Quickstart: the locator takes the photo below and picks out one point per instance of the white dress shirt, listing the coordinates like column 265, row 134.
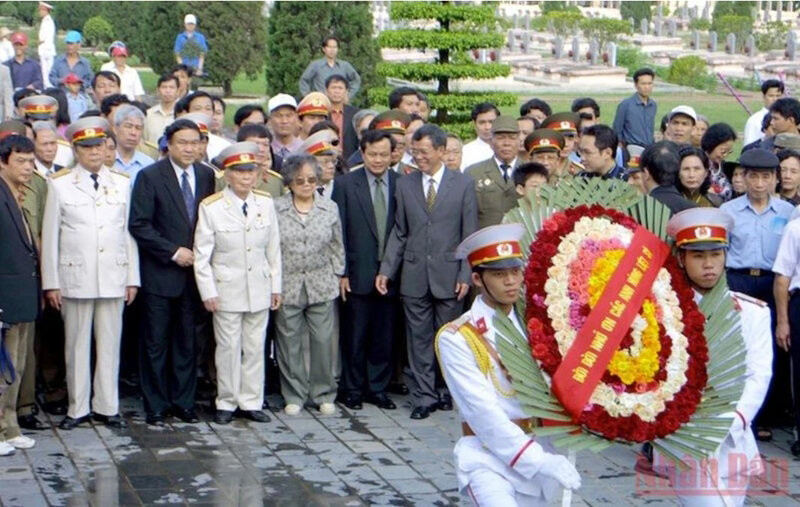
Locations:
column 436, row 178
column 511, row 166
column 130, row 82
column 752, row 129
column 474, row 152
column 42, row 169
column 179, row 174
column 47, row 37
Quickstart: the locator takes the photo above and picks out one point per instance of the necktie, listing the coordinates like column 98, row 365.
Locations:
column 188, row 196
column 96, row 185
column 321, row 190
column 505, row 168
column 379, row 206
column 430, row 198
column 244, row 209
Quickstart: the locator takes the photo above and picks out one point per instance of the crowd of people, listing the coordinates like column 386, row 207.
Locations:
column 316, row 242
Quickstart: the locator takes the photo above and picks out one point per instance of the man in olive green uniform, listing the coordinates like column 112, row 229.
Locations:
column 565, row 124
column 544, row 146
column 494, row 181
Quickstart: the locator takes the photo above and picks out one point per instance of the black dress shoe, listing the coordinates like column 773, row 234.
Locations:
column 423, row 412
column 255, row 416
column 445, row 402
column 381, row 401
column 156, row 419
column 55, row 407
column 69, row 423
column 187, row 415
column 112, row 421
column 30, row 422
column 223, row 416
column 353, row 402
column 398, row 388
column 796, row 448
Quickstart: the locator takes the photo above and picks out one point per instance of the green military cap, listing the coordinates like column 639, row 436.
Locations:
column 566, row 123
column 392, row 121
column 544, row 140
column 786, row 140
column 10, row 127
column 506, row 125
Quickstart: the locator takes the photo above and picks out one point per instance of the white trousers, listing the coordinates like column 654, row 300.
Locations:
column 80, row 317
column 489, row 489
column 46, row 62
column 708, row 494
column 239, row 358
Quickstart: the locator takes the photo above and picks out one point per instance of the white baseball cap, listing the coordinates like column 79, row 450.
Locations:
column 281, row 100
column 190, row 18
column 684, row 110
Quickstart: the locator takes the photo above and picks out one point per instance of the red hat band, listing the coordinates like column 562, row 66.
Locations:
column 702, row 234
column 495, row 252
column 90, row 133
column 238, row 159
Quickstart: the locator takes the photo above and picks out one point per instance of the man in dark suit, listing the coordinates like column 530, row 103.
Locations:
column 163, row 217
column 336, row 88
column 494, row 181
column 366, row 203
column 436, row 210
column 19, row 271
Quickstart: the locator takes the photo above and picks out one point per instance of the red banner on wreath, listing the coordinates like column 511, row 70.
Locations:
column 611, row 318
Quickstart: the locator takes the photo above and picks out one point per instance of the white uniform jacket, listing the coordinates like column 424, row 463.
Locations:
column 87, row 251
column 738, row 454
column 498, row 445
column 238, row 259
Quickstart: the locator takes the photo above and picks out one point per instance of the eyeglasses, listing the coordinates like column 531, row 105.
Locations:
column 311, row 180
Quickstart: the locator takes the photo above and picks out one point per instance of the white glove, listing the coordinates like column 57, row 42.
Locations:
column 559, row 468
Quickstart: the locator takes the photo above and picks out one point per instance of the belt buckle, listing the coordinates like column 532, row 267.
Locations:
column 755, row 272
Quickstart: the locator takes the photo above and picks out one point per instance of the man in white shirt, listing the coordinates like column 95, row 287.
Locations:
column 483, row 115
column 130, row 83
column 47, row 42
column 771, row 90
column 163, row 113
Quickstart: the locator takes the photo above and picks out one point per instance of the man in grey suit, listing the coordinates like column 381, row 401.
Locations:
column 435, row 210
column 6, row 93
column 494, row 181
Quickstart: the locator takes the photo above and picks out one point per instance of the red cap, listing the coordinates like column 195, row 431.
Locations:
column 119, row 51
column 19, row 38
column 71, row 78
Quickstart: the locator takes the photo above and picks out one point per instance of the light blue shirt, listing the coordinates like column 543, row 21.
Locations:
column 755, row 237
column 132, row 168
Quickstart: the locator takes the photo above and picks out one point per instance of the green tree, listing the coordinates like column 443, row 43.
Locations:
column 604, row 30
column 236, row 33
column 556, row 6
column 462, row 28
column 22, row 11
column 97, row 31
column 741, row 26
column 635, row 10
column 291, row 45
column 734, row 8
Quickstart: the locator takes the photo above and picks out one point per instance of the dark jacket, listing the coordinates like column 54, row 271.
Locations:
column 160, row 225
column 19, row 264
column 349, row 137
column 669, row 196
column 353, row 195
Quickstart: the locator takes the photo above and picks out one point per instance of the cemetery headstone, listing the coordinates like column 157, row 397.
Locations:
column 611, row 48
column 657, row 26
column 594, row 51
column 673, row 27
column 712, row 41
column 644, row 25
column 558, row 47
column 695, row 39
column 576, row 49
column 750, row 46
column 527, row 21
column 730, row 44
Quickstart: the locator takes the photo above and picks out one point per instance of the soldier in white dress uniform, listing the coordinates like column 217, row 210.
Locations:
column 43, row 108
column 90, row 269
column 497, row 462
column 701, row 236
column 237, row 265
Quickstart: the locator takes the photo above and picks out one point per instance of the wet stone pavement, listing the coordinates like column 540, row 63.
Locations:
column 366, row 457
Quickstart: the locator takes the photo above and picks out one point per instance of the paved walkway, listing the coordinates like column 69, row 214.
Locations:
column 367, row 457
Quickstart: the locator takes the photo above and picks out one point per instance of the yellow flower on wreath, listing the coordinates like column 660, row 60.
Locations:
column 643, row 367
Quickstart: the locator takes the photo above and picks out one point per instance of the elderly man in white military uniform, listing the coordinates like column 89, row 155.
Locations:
column 237, row 265
column 497, row 462
column 701, row 236
column 90, row 269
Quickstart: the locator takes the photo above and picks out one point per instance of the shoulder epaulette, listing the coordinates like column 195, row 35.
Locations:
column 218, row 174
column 211, row 199
column 37, row 173
column 151, row 144
column 62, row 172
column 63, row 142
column 578, row 165
column 275, row 173
column 357, row 167
column 121, row 173
column 749, row 299
column 453, row 326
column 261, row 193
